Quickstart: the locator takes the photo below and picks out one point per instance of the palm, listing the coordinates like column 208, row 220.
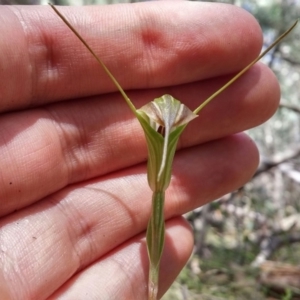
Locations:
column 74, row 196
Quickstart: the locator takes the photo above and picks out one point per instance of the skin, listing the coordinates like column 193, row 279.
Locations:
column 74, row 199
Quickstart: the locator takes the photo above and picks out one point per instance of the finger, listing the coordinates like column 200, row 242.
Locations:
column 68, row 142
column 80, row 224
column 157, row 44
column 123, row 274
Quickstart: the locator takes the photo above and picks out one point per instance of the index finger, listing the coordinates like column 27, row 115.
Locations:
column 145, row 45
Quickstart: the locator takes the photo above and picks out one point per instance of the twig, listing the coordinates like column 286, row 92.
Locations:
column 266, row 163
column 291, row 107
column 270, row 244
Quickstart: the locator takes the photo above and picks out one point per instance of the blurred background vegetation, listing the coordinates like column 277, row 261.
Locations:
column 247, row 244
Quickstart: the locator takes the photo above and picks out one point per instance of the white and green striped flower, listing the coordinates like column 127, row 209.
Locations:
column 163, row 120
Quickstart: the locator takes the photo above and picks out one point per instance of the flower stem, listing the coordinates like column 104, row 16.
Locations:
column 155, row 241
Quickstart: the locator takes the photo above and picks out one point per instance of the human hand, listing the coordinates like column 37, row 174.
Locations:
column 74, row 196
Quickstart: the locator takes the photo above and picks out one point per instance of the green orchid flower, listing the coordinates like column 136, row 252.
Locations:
column 163, row 121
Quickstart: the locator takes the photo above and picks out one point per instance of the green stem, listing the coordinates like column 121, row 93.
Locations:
column 155, row 241
column 224, row 87
column 113, row 79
